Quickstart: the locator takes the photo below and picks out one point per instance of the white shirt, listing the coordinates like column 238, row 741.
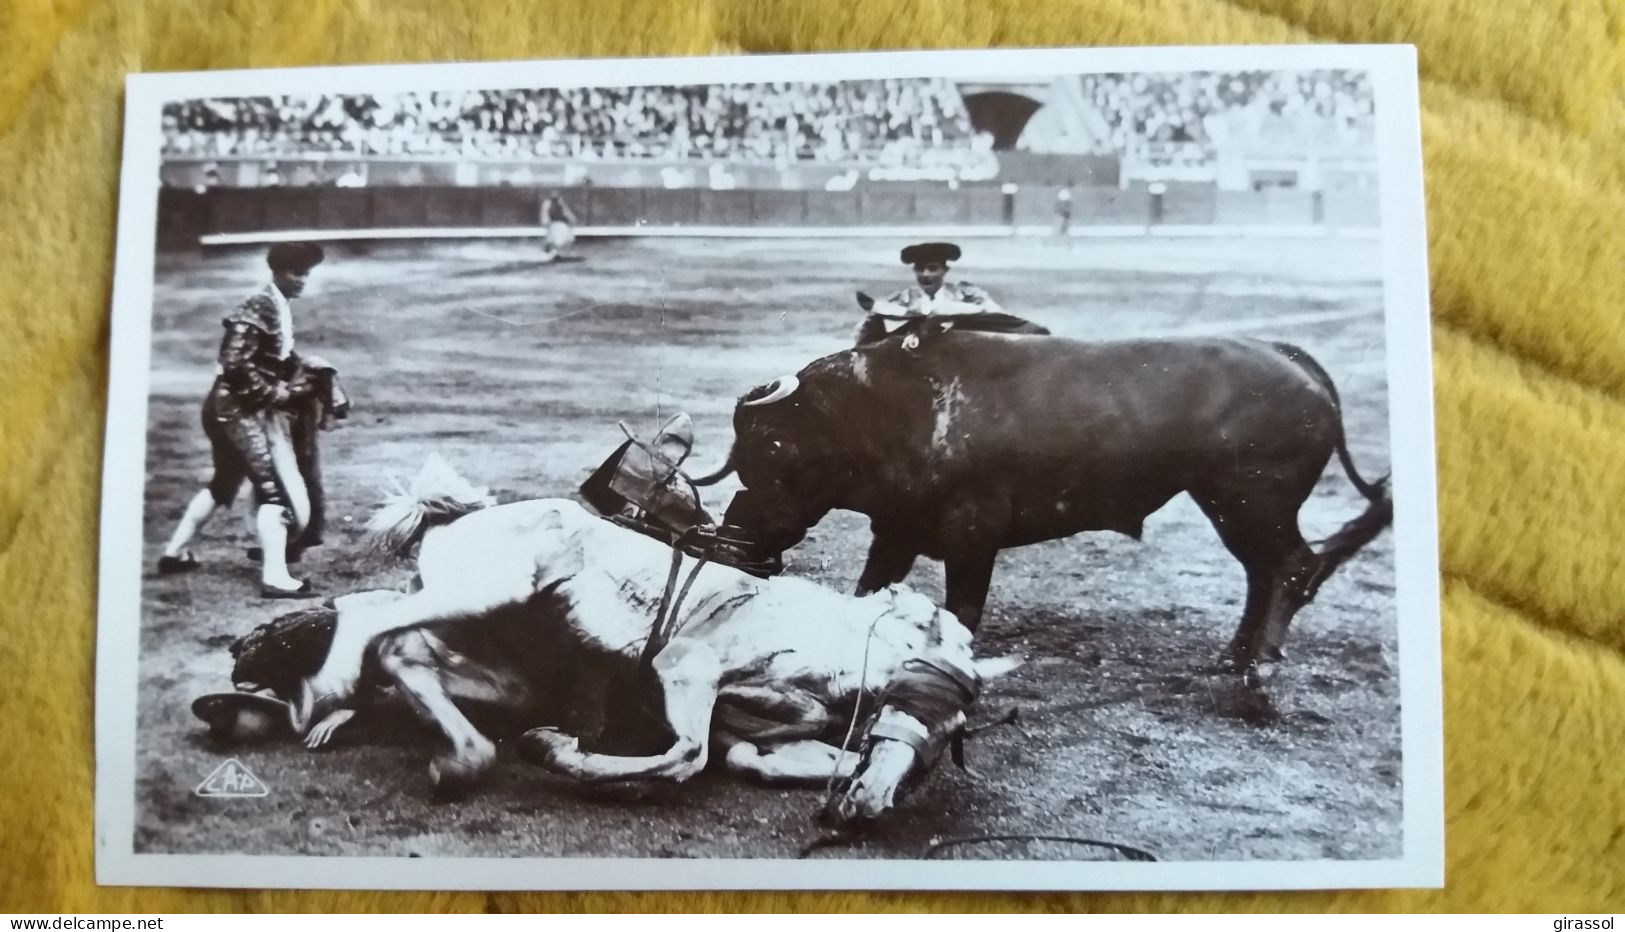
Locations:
column 952, row 298
column 284, row 321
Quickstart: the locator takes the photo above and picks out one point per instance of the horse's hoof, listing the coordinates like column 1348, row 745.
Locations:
column 452, row 778
column 544, row 746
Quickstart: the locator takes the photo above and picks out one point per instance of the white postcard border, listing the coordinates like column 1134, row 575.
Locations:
column 1405, row 289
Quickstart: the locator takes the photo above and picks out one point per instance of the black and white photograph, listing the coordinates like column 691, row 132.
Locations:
column 1008, row 470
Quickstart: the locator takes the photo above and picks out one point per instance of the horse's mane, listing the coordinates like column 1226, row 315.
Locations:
column 438, row 494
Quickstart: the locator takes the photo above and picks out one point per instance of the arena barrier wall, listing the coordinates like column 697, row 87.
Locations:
column 258, row 214
column 409, row 171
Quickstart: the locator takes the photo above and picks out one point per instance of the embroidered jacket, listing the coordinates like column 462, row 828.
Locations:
column 256, row 355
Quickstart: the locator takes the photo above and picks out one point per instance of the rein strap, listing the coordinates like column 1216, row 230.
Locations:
column 666, row 614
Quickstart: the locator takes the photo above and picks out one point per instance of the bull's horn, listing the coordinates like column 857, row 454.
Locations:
column 780, row 389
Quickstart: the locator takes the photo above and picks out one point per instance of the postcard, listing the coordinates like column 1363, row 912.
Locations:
column 930, row 470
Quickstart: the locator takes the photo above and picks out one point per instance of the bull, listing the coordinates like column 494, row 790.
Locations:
column 958, row 444
column 780, row 678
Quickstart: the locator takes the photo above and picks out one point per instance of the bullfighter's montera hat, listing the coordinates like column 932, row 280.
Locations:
column 930, row 252
column 294, row 257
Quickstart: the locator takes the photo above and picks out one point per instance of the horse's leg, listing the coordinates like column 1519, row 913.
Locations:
column 495, row 586
column 689, row 673
column 764, row 714
column 429, row 674
column 790, row 762
column 890, row 559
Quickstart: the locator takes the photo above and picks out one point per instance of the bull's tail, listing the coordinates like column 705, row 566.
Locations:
column 1347, row 540
column 1375, row 492
column 436, row 495
column 722, row 473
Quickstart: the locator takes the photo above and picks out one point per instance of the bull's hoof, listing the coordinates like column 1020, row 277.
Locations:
column 544, row 747
column 1249, row 663
column 1234, row 661
column 1252, row 677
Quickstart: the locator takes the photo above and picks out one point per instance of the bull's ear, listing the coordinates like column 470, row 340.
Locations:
column 866, row 302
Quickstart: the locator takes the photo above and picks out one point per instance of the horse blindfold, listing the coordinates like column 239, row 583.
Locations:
column 648, row 477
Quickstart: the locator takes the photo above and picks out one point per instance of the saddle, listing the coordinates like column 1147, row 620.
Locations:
column 642, row 486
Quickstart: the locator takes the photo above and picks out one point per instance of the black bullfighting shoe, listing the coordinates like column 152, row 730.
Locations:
column 183, row 562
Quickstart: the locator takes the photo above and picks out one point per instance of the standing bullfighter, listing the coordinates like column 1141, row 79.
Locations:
column 559, row 221
column 261, row 416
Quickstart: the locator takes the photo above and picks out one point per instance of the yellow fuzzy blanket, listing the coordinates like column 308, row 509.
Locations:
column 1525, row 152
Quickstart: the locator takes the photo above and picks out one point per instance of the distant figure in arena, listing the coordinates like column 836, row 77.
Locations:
column 931, row 294
column 1063, row 214
column 261, row 417
column 559, row 221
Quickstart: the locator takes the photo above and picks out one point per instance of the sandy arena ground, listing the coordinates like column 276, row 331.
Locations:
column 517, row 372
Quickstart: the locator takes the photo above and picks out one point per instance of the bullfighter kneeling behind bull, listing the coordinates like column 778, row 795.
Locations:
column 261, row 416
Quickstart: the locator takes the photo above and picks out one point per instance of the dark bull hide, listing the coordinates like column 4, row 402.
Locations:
column 967, row 443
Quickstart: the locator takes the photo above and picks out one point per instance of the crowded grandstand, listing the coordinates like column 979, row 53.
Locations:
column 1184, row 116
column 854, row 120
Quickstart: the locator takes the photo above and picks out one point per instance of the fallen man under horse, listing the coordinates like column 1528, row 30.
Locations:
column 780, row 678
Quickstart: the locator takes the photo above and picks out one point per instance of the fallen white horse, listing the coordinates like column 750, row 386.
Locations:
column 768, row 673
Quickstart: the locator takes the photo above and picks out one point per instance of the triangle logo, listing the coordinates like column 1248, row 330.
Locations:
column 231, row 780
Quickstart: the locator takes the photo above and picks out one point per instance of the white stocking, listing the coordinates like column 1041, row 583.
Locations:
column 271, row 521
column 198, row 512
